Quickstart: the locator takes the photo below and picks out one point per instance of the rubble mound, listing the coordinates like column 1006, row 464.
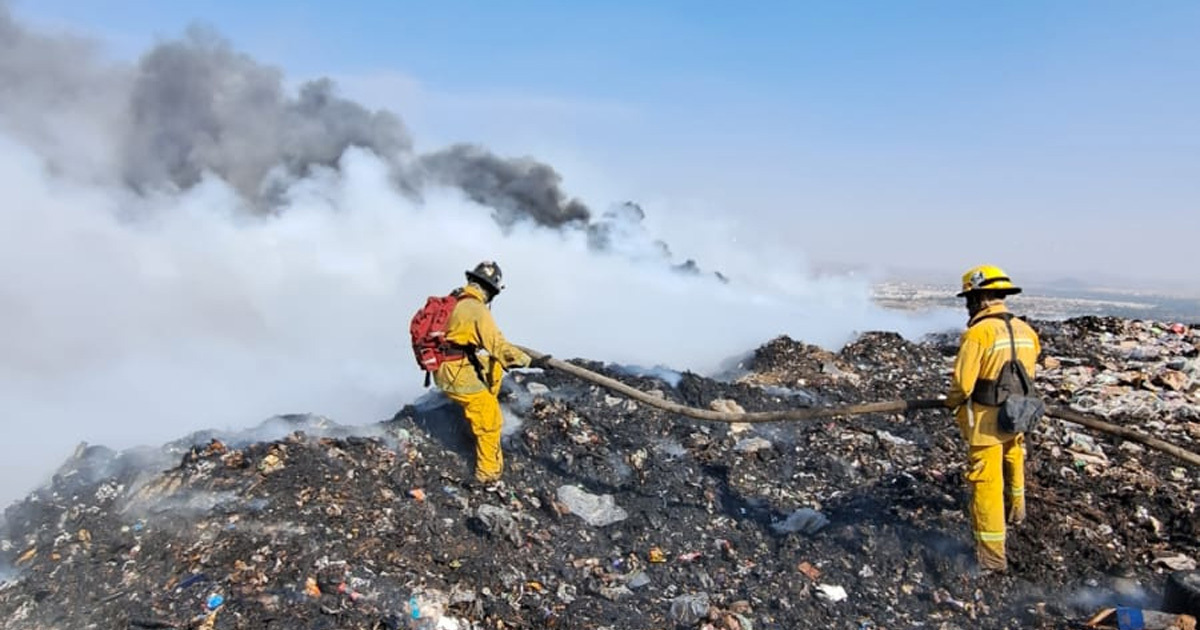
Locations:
column 615, row 515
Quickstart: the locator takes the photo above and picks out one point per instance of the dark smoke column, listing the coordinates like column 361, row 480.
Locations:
column 199, row 107
column 516, row 188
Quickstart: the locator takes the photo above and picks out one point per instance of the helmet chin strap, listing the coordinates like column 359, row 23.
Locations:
column 979, row 300
column 974, row 304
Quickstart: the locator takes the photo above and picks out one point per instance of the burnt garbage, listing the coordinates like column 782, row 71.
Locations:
column 615, row 515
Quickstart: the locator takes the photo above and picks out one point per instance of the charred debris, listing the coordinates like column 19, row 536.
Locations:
column 615, row 515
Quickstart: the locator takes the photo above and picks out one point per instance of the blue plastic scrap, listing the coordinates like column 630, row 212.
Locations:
column 1130, row 618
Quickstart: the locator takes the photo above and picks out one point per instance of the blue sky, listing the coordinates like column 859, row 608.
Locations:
column 1053, row 138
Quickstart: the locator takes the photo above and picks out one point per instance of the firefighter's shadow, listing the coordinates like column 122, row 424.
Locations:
column 442, row 420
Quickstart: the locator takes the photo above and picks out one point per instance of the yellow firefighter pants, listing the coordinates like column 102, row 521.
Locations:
column 482, row 410
column 988, row 467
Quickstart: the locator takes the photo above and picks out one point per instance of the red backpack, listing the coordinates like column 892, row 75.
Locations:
column 428, row 331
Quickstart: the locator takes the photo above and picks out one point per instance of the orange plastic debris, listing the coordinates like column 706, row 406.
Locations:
column 27, row 556
column 808, row 569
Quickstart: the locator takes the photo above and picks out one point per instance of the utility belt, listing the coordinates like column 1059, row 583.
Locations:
column 452, row 352
column 448, row 352
column 455, row 352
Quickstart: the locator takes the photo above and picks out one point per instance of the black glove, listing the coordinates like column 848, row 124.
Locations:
column 540, row 362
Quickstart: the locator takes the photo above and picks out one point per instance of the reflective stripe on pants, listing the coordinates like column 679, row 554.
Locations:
column 988, row 467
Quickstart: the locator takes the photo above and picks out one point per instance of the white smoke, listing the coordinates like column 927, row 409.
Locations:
column 134, row 315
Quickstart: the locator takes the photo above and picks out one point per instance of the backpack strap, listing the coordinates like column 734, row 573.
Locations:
column 457, row 351
column 987, row 391
column 1012, row 339
column 1023, row 376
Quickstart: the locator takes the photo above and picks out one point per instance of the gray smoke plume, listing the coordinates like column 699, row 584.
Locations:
column 196, row 107
column 55, row 100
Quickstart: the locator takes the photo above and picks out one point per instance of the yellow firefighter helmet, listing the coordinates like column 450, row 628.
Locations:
column 987, row 278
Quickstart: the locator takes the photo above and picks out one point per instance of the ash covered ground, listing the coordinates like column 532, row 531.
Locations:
column 615, row 515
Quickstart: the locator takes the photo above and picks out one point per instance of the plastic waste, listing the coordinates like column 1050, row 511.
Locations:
column 752, row 445
column 499, row 522
column 596, row 511
column 1131, row 618
column 639, row 580
column 832, row 592
column 426, row 610
column 688, row 609
column 803, row 520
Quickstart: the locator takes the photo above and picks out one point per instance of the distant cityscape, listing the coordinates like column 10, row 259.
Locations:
column 1049, row 302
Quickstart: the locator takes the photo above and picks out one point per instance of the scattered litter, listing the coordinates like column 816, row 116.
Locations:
column 809, row 570
column 688, row 609
column 596, row 511
column 638, row 580
column 315, row 524
column 1130, row 618
column 752, row 445
column 831, row 592
column 1176, row 562
column 500, row 522
column 273, row 462
column 803, row 520
column 892, row 439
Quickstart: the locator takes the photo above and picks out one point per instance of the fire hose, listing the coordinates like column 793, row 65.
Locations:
column 818, row 413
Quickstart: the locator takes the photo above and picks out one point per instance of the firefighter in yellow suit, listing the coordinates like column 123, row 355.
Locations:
column 993, row 455
column 473, row 378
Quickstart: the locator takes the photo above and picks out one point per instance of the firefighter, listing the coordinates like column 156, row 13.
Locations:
column 472, row 378
column 996, row 460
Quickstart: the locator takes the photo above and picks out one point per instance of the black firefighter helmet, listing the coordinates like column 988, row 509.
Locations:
column 488, row 275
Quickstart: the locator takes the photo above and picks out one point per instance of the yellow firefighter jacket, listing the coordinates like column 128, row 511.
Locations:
column 472, row 327
column 984, row 348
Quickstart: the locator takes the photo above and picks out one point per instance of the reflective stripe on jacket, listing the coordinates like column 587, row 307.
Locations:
column 983, row 349
column 471, row 325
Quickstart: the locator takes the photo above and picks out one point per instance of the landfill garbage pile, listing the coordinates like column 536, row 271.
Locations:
column 615, row 515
